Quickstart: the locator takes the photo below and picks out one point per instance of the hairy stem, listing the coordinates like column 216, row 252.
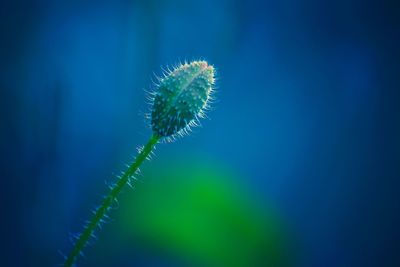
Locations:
column 107, row 201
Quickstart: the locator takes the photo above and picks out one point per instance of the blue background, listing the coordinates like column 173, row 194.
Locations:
column 307, row 114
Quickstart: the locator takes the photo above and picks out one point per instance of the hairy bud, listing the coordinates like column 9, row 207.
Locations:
column 183, row 95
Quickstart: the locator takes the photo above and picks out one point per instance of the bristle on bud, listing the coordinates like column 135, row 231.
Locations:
column 181, row 98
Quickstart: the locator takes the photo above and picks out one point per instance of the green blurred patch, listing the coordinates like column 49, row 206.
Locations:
column 199, row 213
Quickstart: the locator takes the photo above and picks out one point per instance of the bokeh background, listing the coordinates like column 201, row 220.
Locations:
column 298, row 164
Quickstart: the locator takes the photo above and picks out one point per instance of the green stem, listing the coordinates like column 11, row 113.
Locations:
column 107, row 201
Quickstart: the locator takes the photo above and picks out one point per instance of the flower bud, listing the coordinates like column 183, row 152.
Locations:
column 182, row 96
